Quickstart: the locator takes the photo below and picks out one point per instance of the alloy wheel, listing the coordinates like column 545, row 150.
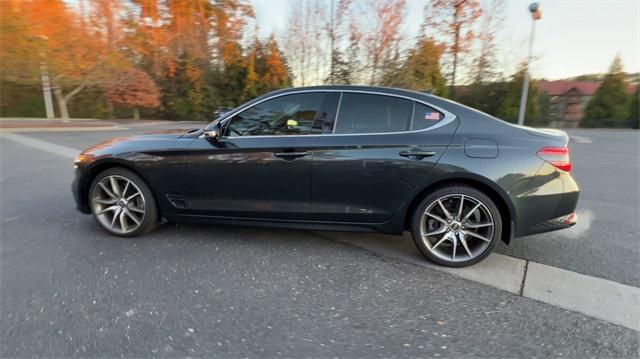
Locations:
column 457, row 227
column 118, row 204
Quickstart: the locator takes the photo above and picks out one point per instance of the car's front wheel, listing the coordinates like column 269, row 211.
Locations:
column 122, row 203
column 456, row 226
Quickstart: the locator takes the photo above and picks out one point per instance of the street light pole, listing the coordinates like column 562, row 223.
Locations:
column 44, row 77
column 534, row 8
column 46, row 87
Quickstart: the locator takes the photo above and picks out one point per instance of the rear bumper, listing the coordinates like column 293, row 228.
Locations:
column 554, row 224
column 549, row 205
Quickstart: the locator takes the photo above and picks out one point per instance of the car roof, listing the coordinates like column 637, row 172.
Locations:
column 389, row 90
column 446, row 104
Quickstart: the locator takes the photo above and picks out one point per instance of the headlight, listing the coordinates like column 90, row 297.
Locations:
column 81, row 158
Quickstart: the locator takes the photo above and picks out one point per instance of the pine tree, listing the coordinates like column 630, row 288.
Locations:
column 634, row 108
column 609, row 105
column 250, row 89
column 186, row 94
column 421, row 68
column 340, row 72
column 544, row 111
column 486, row 97
column 511, row 100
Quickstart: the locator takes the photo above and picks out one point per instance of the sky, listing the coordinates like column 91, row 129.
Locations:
column 574, row 37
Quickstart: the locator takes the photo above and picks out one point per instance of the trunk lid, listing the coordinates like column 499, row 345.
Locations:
column 550, row 133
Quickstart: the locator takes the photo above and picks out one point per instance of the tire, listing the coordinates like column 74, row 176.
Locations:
column 134, row 204
column 444, row 220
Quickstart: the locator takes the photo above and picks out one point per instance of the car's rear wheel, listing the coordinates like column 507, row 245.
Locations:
column 456, row 226
column 122, row 203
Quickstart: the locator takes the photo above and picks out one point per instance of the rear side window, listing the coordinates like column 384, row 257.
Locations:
column 364, row 113
column 424, row 116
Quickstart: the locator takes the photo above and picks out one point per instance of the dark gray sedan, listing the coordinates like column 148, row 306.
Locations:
column 341, row 158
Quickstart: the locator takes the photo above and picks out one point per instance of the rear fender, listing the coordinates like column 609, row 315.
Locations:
column 438, row 179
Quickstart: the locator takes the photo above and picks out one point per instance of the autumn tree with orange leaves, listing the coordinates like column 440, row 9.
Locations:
column 276, row 74
column 229, row 19
column 134, row 89
column 451, row 22
column 48, row 34
column 251, row 80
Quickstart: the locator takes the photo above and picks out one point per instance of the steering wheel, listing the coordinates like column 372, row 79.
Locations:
column 258, row 126
column 266, row 123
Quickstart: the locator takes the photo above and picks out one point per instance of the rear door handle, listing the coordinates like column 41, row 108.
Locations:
column 290, row 155
column 417, row 154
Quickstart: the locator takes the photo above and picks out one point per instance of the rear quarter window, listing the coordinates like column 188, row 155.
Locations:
column 425, row 116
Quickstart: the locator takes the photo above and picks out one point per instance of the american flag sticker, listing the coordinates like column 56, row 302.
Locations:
column 432, row 116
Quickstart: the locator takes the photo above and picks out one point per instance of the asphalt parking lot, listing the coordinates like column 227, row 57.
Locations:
column 67, row 289
column 605, row 243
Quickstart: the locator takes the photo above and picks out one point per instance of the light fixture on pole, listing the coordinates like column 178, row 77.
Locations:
column 534, row 9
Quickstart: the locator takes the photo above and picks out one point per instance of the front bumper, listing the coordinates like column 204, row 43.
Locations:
column 79, row 193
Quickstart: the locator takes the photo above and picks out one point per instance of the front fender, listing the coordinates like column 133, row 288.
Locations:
column 163, row 171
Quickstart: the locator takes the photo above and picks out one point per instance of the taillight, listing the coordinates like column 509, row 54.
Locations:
column 557, row 156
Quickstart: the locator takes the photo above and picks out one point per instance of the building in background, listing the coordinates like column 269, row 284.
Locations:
column 569, row 99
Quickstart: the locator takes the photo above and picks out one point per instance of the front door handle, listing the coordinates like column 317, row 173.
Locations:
column 290, row 155
column 417, row 154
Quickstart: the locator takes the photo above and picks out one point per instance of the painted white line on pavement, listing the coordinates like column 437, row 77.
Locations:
column 40, row 119
column 599, row 298
column 595, row 297
column 498, row 271
column 41, row 145
column 580, row 139
column 62, row 129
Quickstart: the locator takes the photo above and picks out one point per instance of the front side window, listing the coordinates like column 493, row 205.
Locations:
column 365, row 113
column 284, row 115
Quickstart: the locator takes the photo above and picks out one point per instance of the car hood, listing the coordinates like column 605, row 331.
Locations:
column 164, row 134
column 165, row 140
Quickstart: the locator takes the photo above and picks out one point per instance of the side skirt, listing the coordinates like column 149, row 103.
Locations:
column 256, row 222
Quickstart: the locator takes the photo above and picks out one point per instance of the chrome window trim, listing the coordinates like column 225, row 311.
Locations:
column 448, row 116
column 335, row 119
column 413, row 113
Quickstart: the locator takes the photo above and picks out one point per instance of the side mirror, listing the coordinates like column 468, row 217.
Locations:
column 213, row 132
